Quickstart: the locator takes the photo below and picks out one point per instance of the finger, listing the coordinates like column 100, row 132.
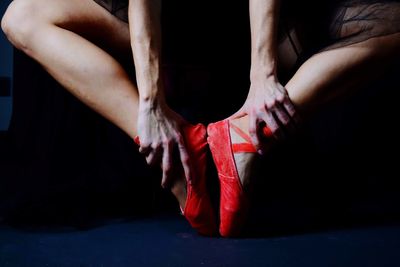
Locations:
column 284, row 119
column 166, row 164
column 282, row 116
column 154, row 156
column 184, row 156
column 291, row 110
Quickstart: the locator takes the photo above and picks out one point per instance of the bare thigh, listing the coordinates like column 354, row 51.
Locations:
column 83, row 17
column 354, row 47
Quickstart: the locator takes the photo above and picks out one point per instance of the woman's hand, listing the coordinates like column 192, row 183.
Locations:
column 159, row 130
column 267, row 104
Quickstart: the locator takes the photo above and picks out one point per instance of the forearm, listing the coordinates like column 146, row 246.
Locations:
column 145, row 32
column 263, row 23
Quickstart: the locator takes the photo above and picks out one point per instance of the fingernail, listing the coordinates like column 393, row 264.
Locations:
column 260, row 152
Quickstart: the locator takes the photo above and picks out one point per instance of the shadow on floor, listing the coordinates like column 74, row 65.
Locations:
column 169, row 241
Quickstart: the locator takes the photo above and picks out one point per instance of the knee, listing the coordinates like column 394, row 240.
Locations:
column 19, row 21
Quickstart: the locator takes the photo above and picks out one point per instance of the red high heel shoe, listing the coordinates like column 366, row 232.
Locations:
column 198, row 209
column 234, row 203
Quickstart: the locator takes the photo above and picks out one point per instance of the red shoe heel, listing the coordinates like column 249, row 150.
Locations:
column 234, row 203
column 198, row 209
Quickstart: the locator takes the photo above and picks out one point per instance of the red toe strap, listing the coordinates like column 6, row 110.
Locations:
column 243, row 147
column 246, row 147
column 240, row 132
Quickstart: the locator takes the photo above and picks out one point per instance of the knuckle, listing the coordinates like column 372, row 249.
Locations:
column 270, row 103
column 280, row 98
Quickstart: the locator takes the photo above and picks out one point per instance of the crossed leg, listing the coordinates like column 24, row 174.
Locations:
column 326, row 76
column 62, row 37
column 56, row 34
column 76, row 41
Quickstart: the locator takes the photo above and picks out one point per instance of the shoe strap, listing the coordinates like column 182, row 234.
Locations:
column 242, row 147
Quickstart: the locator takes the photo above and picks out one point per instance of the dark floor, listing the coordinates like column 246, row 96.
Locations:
column 171, row 242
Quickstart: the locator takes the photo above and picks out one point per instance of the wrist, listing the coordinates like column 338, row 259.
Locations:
column 149, row 99
column 151, row 93
column 151, row 102
column 264, row 71
column 263, row 75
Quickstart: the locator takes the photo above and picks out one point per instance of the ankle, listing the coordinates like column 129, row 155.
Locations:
column 179, row 191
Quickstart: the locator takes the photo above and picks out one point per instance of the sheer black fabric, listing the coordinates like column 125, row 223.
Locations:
column 327, row 24
column 356, row 21
column 324, row 25
column 118, row 8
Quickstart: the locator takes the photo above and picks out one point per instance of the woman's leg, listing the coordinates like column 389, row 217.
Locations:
column 328, row 75
column 334, row 73
column 55, row 33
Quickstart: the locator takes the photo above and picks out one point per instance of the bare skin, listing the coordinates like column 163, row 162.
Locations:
column 267, row 101
column 54, row 39
column 325, row 77
column 159, row 127
column 58, row 39
column 64, row 28
column 322, row 78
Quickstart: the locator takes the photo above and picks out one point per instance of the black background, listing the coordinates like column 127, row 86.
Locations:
column 62, row 163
